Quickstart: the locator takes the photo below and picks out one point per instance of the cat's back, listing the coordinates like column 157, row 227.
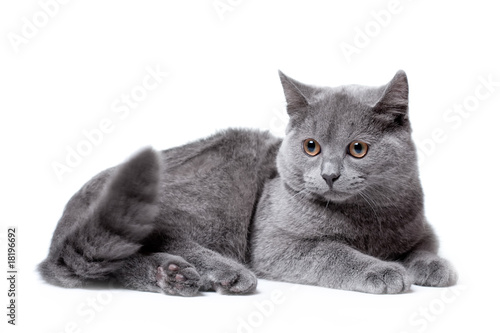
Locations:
column 234, row 147
column 230, row 164
column 211, row 186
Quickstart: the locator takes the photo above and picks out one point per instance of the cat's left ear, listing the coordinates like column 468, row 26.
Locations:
column 392, row 107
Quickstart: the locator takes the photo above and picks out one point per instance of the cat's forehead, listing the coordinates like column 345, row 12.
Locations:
column 344, row 104
column 342, row 111
column 349, row 95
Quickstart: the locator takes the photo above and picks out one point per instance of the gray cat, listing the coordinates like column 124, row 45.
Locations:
column 337, row 203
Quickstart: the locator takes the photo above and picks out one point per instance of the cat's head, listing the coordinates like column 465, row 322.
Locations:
column 349, row 141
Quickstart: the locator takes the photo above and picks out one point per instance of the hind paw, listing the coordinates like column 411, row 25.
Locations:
column 175, row 276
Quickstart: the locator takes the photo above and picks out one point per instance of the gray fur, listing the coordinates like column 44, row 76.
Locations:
column 216, row 213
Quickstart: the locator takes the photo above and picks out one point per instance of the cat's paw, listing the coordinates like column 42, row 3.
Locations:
column 233, row 280
column 175, row 276
column 385, row 278
column 433, row 272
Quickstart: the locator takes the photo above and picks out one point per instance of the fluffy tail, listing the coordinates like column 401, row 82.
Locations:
column 105, row 222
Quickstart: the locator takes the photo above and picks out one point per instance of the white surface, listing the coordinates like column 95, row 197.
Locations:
column 70, row 76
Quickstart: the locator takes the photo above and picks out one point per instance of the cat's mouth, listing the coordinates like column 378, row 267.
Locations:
column 337, row 192
column 337, row 195
column 332, row 195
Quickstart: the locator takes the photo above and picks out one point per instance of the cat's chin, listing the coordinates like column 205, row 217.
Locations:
column 336, row 196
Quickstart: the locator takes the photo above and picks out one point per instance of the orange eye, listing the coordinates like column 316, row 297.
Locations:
column 312, row 147
column 357, row 149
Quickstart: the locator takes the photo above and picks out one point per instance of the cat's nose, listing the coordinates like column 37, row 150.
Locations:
column 330, row 178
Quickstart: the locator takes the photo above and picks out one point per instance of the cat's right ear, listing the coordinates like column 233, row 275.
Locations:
column 297, row 95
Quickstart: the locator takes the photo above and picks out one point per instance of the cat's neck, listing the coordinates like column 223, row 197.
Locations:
column 360, row 221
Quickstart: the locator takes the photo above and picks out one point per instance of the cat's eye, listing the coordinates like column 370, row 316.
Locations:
column 312, row 147
column 357, row 149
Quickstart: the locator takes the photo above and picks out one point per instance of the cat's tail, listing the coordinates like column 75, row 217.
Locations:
column 105, row 223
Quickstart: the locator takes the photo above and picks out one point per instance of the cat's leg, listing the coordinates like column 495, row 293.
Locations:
column 159, row 272
column 426, row 268
column 329, row 264
column 217, row 272
column 105, row 223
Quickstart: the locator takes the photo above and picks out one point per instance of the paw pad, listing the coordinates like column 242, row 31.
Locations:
column 177, row 277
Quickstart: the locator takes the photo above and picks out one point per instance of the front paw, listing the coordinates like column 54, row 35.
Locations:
column 232, row 280
column 433, row 272
column 384, row 278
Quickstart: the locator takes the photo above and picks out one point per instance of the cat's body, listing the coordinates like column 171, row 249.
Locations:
column 205, row 215
column 196, row 198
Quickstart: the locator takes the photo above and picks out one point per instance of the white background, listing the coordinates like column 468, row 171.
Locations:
column 69, row 74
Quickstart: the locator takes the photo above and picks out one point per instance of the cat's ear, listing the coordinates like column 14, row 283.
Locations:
column 297, row 94
column 392, row 107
